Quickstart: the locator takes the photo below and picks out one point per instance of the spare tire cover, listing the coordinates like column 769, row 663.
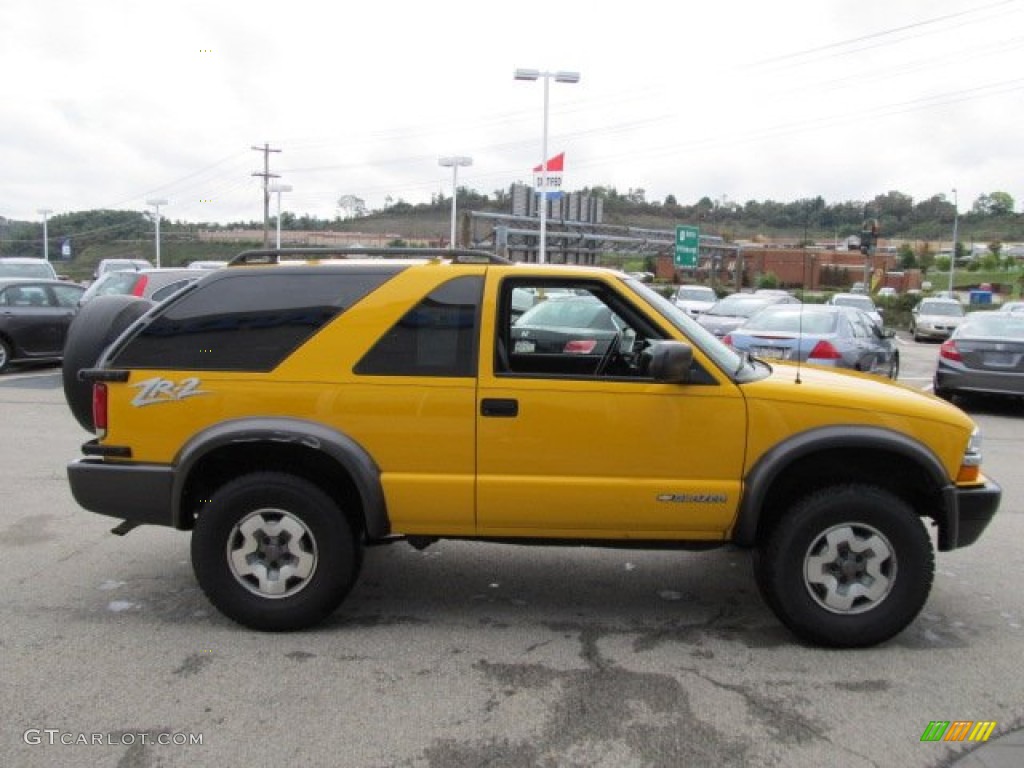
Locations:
column 97, row 325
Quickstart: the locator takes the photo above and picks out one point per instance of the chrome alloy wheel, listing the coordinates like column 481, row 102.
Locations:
column 272, row 553
column 850, row 568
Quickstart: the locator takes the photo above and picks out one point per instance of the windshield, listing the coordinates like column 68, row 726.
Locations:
column 860, row 302
column 723, row 356
column 577, row 312
column 42, row 270
column 1008, row 325
column 945, row 309
column 696, row 294
column 793, row 319
column 739, row 306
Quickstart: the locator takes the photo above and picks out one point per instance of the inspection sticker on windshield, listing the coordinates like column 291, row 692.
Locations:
column 159, row 390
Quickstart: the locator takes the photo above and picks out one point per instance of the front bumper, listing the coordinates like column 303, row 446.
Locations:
column 975, row 508
column 140, row 493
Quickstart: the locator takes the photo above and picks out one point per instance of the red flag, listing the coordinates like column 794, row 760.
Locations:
column 556, row 163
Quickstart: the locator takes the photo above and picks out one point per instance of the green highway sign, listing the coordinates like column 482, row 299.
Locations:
column 687, row 241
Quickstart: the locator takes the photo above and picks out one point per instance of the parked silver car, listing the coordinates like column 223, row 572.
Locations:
column 832, row 336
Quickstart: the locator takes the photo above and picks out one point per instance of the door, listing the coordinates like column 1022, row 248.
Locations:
column 576, row 439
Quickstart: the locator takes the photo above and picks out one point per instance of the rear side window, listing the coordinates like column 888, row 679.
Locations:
column 437, row 337
column 246, row 321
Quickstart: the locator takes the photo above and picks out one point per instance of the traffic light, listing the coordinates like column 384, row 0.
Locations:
column 869, row 237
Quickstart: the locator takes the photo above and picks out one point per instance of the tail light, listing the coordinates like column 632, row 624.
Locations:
column 99, row 409
column 580, row 346
column 140, row 286
column 949, row 351
column 727, row 339
column 824, row 350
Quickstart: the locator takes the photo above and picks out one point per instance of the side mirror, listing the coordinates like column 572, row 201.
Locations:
column 670, row 362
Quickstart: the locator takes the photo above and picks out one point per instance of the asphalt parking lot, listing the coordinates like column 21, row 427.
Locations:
column 474, row 654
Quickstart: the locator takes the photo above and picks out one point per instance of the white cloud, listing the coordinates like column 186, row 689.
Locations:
column 113, row 101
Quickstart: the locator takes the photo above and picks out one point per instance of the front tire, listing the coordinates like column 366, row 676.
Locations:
column 847, row 567
column 6, row 353
column 273, row 552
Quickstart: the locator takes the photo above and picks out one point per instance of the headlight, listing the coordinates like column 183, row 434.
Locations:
column 970, row 465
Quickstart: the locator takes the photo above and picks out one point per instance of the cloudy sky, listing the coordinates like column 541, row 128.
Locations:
column 112, row 102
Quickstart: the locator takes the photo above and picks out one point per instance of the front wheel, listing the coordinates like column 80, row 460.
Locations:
column 847, row 567
column 274, row 552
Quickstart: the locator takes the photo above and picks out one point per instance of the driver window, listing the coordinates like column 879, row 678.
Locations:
column 569, row 329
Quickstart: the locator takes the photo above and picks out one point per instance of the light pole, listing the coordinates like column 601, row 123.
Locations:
column 279, row 188
column 156, row 203
column 560, row 77
column 952, row 256
column 453, row 162
column 46, row 235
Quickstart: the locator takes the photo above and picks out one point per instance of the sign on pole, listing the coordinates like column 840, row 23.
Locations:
column 687, row 243
column 552, row 190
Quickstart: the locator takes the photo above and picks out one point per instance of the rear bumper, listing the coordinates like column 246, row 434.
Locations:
column 141, row 493
column 961, row 379
column 975, row 509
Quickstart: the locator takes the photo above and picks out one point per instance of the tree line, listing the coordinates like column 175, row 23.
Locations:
column 990, row 217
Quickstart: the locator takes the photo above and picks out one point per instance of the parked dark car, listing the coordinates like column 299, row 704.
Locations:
column 820, row 334
column 579, row 326
column 734, row 310
column 34, row 319
column 984, row 355
column 152, row 284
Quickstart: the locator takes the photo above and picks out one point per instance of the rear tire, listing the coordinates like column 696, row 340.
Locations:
column 273, row 552
column 847, row 567
column 97, row 325
column 894, row 367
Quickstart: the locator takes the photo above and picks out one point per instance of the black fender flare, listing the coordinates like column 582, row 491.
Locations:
column 359, row 465
column 775, row 461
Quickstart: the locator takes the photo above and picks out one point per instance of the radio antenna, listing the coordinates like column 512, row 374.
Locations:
column 800, row 332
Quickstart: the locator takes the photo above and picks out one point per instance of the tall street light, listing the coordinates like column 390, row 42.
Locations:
column 278, row 189
column 952, row 257
column 453, row 162
column 46, row 235
column 560, row 77
column 156, row 203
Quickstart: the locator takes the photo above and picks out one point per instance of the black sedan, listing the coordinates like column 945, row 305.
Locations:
column 34, row 319
column 566, row 334
column 984, row 355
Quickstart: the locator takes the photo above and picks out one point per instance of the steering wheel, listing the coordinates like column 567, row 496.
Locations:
column 609, row 354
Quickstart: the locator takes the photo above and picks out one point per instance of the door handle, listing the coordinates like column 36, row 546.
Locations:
column 498, row 407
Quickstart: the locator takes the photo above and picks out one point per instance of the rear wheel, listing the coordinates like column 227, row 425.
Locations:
column 847, row 567
column 274, row 552
column 894, row 366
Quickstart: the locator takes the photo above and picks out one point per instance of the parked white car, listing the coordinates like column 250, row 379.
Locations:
column 695, row 298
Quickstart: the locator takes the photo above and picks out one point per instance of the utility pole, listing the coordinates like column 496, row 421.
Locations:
column 267, row 176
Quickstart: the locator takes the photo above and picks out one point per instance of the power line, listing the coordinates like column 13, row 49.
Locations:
column 267, row 176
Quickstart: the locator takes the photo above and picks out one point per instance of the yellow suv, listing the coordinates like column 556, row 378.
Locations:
column 298, row 406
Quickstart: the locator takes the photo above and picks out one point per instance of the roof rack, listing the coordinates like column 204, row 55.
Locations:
column 457, row 256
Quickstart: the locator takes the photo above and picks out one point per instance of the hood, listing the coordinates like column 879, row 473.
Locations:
column 829, row 388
